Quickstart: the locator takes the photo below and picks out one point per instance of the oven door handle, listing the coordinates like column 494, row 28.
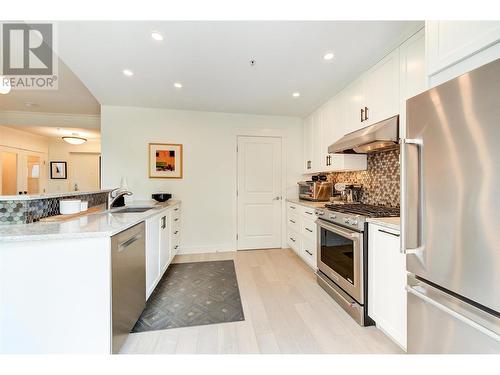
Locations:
column 334, row 228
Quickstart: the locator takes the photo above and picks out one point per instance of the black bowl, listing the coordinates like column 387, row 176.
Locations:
column 161, row 197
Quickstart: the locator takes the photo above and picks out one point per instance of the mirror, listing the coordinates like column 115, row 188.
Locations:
column 50, row 139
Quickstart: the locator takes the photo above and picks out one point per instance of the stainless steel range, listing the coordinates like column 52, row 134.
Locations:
column 343, row 254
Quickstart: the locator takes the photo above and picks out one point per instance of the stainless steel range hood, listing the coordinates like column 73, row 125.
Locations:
column 376, row 137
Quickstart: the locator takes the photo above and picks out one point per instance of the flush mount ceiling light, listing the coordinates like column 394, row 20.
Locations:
column 74, row 139
column 157, row 36
column 128, row 72
column 4, row 85
column 296, row 94
column 178, row 85
column 328, row 56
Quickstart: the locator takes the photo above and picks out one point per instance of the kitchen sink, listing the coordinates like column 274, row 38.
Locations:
column 133, row 210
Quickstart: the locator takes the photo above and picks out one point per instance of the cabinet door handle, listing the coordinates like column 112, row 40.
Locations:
column 292, row 239
column 163, row 222
column 309, row 230
column 176, row 247
column 176, row 209
column 386, row 232
column 307, row 212
column 292, row 221
column 308, row 252
column 292, row 208
column 177, row 219
column 362, row 115
column 176, row 232
column 366, row 113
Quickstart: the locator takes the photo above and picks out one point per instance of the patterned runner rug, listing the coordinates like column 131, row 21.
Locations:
column 193, row 294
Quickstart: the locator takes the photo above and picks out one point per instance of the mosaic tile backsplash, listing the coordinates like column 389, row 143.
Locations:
column 380, row 181
column 30, row 211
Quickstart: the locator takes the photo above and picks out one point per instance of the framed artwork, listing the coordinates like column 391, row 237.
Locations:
column 165, row 160
column 58, row 170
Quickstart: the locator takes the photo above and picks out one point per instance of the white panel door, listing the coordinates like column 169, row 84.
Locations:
column 259, row 192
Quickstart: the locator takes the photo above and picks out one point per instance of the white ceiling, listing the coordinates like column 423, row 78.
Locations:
column 71, row 97
column 211, row 60
column 53, row 132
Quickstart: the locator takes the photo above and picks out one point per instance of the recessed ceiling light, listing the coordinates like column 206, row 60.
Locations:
column 178, row 85
column 4, row 85
column 328, row 56
column 128, row 72
column 296, row 94
column 156, row 36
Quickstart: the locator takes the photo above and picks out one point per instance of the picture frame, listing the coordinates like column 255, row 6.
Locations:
column 165, row 160
column 58, row 170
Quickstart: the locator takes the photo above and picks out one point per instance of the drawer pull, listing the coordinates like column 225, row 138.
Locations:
column 292, row 208
column 176, row 247
column 309, row 213
column 308, row 252
column 176, row 209
column 386, row 232
column 292, row 239
column 309, row 230
column 292, row 221
column 176, row 232
column 176, row 219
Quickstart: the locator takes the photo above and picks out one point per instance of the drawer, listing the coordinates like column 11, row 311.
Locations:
column 293, row 240
column 293, row 222
column 308, row 212
column 292, row 209
column 308, row 252
column 308, row 230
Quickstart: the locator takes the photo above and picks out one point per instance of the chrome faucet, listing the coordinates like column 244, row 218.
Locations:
column 114, row 195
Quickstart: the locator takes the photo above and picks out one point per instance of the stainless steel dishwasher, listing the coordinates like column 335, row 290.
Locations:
column 128, row 265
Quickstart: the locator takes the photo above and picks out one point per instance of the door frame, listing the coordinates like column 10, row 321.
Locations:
column 263, row 133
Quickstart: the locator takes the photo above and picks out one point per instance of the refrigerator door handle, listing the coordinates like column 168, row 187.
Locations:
column 404, row 198
column 453, row 313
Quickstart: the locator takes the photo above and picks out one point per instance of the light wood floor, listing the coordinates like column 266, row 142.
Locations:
column 285, row 312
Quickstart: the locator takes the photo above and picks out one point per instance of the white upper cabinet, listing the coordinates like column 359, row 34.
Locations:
column 308, row 144
column 382, row 90
column 355, row 101
column 413, row 75
column 456, row 47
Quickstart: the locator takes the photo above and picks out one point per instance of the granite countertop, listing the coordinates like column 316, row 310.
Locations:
column 25, row 197
column 388, row 222
column 100, row 224
column 303, row 202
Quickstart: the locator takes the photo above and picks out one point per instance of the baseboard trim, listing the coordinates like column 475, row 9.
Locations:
column 223, row 248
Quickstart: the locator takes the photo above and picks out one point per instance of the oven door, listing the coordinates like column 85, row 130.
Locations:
column 340, row 257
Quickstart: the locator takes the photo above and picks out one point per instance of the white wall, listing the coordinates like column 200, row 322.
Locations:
column 10, row 137
column 208, row 189
column 60, row 151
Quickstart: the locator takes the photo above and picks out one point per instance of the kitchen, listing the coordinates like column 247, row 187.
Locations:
column 297, row 210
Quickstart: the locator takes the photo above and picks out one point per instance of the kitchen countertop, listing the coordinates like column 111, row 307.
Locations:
column 303, row 202
column 388, row 222
column 100, row 224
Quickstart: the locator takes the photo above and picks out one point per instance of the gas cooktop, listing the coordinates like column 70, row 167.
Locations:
column 353, row 215
column 367, row 210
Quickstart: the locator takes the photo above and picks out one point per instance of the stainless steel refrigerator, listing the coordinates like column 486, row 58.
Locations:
column 450, row 208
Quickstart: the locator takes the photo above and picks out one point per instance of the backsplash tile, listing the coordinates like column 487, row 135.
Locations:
column 381, row 185
column 30, row 211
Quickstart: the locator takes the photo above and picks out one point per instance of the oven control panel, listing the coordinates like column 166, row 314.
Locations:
column 352, row 221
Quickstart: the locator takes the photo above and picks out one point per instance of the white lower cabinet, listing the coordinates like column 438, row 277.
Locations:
column 301, row 232
column 162, row 243
column 386, row 283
